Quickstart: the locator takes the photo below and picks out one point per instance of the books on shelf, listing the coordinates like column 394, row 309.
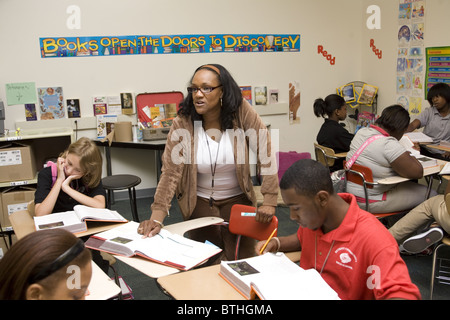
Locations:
column 165, row 247
column 275, row 277
column 75, row 221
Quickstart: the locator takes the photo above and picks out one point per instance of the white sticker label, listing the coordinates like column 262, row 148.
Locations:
column 9, row 158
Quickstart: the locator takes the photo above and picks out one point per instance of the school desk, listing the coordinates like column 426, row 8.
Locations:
column 156, row 145
column 429, row 172
column 438, row 147
column 204, row 284
column 156, row 270
column 426, row 172
column 23, row 224
column 101, row 286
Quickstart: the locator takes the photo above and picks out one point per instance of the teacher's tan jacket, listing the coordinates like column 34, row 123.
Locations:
column 179, row 170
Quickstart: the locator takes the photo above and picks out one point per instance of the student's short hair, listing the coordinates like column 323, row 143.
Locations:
column 307, row 177
column 90, row 160
column 394, row 119
column 439, row 89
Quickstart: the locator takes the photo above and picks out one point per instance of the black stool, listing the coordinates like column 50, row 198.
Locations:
column 120, row 182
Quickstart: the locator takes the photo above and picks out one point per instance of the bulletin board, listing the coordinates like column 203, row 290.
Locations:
column 437, row 66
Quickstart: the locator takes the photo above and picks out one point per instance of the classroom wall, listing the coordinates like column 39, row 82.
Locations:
column 382, row 72
column 337, row 25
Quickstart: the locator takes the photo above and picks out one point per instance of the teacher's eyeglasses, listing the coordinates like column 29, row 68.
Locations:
column 204, row 90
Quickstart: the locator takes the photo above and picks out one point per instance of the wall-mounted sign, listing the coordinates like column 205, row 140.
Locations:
column 127, row 45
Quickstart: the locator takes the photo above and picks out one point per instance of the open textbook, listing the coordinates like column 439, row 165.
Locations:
column 275, row 277
column 426, row 162
column 75, row 221
column 419, row 137
column 165, row 247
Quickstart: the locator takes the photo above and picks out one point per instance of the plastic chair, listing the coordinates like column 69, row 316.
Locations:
column 440, row 271
column 120, row 182
column 245, row 225
column 363, row 176
column 325, row 155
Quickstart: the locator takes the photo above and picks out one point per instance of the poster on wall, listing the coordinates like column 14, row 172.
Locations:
column 411, row 55
column 437, row 66
column 51, row 47
column 51, row 103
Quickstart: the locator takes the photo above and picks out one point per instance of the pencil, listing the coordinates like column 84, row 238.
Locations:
column 267, row 242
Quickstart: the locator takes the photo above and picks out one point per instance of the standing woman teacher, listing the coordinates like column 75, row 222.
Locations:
column 206, row 161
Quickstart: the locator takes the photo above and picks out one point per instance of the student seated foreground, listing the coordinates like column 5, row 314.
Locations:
column 355, row 254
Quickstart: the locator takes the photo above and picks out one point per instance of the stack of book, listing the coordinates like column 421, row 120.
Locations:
column 275, row 277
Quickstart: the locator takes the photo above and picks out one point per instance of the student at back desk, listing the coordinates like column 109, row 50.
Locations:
column 435, row 120
column 331, row 133
column 386, row 157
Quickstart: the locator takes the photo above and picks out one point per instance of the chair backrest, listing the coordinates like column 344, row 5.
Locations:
column 287, row 159
column 361, row 175
column 365, row 175
column 242, row 222
column 324, row 155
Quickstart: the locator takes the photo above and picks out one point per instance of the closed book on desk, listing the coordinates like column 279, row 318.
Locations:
column 166, row 248
column 426, row 162
column 275, row 277
column 75, row 221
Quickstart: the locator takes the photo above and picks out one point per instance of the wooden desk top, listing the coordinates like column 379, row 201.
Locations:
column 426, row 172
column 438, row 147
column 23, row 224
column 204, row 284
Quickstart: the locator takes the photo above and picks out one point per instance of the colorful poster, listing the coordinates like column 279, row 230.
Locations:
column 51, row 103
column 146, row 44
column 411, row 54
column 437, row 66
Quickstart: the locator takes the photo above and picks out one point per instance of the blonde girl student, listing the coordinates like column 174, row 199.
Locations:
column 76, row 179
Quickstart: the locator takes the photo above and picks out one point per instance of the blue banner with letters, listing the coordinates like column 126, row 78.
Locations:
column 52, row 47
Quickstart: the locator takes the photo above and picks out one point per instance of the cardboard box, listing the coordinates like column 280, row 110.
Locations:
column 3, row 247
column 17, row 162
column 15, row 199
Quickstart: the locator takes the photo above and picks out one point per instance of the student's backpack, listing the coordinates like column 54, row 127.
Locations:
column 54, row 168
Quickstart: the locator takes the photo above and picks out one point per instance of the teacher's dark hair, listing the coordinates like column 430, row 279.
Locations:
column 231, row 98
column 307, row 177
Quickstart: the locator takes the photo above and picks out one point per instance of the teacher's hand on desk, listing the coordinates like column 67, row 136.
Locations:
column 149, row 228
